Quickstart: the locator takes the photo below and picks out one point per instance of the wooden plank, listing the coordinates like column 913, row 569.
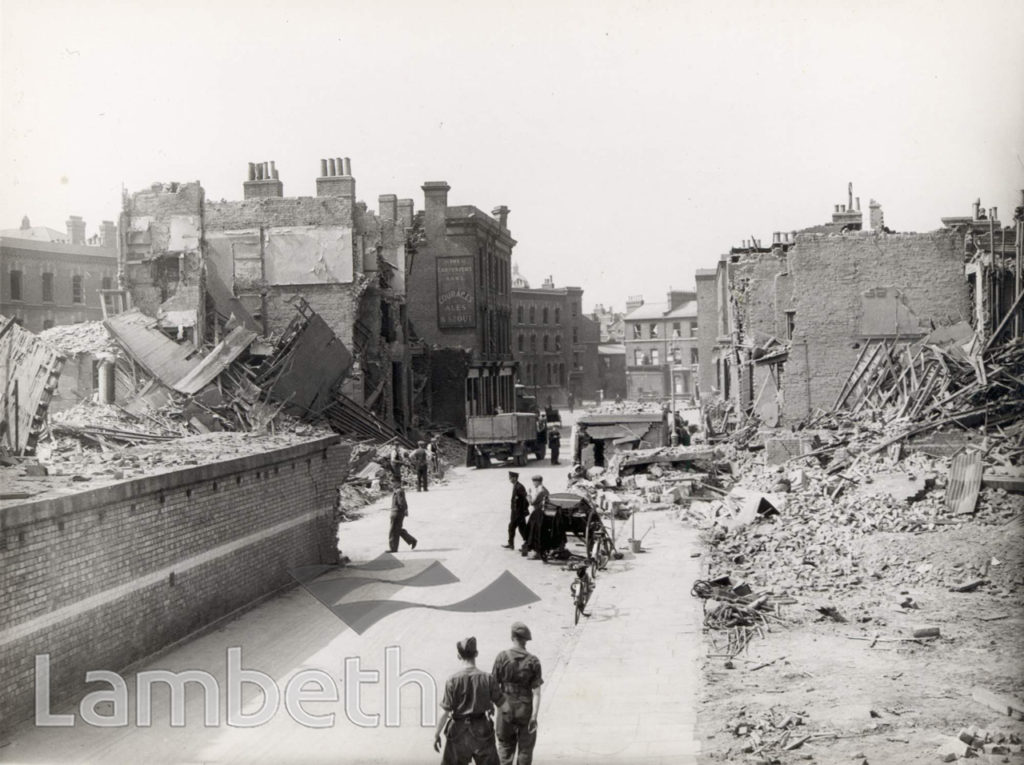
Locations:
column 226, row 351
column 160, row 356
column 1002, row 703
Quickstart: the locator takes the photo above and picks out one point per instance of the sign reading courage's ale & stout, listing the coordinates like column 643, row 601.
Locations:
column 456, row 298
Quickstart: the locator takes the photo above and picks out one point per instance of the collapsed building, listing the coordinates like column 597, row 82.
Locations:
column 201, row 267
column 786, row 324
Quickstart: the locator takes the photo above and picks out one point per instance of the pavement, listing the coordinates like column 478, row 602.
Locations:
column 619, row 687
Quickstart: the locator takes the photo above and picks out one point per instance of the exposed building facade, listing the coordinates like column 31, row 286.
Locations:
column 661, row 346
column 194, row 264
column 611, row 371
column 792, row 319
column 460, row 308
column 612, row 325
column 48, row 278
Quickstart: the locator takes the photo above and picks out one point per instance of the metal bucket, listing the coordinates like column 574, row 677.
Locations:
column 634, row 545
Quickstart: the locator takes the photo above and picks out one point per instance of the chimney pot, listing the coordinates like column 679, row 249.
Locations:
column 339, row 164
column 858, row 204
column 993, row 214
column 273, row 170
column 348, row 166
column 252, row 171
column 501, row 215
column 332, row 169
column 323, row 168
column 977, row 208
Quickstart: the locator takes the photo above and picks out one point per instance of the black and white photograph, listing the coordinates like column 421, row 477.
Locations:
column 474, row 381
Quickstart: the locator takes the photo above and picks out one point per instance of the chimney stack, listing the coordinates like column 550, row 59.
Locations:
column 76, row 229
column 875, row 217
column 435, row 196
column 108, row 234
column 388, row 206
column 858, row 204
column 406, row 212
column 501, row 214
column 633, row 302
column 849, row 196
column 336, row 179
column 263, row 182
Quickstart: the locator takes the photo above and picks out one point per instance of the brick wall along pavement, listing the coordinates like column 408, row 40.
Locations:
column 105, row 578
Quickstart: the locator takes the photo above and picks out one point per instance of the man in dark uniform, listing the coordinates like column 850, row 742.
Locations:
column 469, row 698
column 420, row 461
column 519, row 675
column 554, row 441
column 538, row 497
column 399, row 509
column 520, row 510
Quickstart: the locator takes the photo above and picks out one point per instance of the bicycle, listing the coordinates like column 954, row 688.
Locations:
column 581, row 589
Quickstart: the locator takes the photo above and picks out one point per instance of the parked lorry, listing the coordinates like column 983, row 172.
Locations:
column 503, row 436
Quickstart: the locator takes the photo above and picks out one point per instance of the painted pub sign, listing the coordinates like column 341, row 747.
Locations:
column 456, row 298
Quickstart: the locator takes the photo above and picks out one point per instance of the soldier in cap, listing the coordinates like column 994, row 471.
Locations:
column 469, row 698
column 421, row 462
column 519, row 676
column 520, row 511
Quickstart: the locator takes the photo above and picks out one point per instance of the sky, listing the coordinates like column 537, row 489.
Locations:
column 634, row 142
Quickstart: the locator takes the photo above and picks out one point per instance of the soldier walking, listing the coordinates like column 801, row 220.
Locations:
column 399, row 510
column 520, row 511
column 518, row 673
column 469, row 699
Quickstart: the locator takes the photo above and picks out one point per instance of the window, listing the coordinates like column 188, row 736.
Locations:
column 533, row 343
column 533, row 314
column 76, row 289
column 521, row 343
column 16, row 285
column 545, row 343
column 544, row 315
column 47, row 288
column 519, row 315
column 551, row 376
column 655, row 357
column 654, row 330
column 677, row 356
column 677, row 329
column 105, row 283
column 638, row 358
column 558, row 315
column 790, row 324
column 694, row 356
column 558, row 342
column 576, row 361
column 575, row 310
column 575, row 334
column 561, row 374
column 637, row 332
column 693, row 329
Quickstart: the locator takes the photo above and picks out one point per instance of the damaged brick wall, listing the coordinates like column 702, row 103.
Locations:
column 707, row 331
column 834, row 281
column 105, row 578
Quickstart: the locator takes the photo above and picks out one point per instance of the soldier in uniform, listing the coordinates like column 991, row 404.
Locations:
column 469, row 697
column 519, row 675
column 520, row 510
column 420, row 461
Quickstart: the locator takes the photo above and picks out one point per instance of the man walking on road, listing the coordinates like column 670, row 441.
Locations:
column 519, row 676
column 399, row 509
column 420, row 462
column 469, row 697
column 538, row 497
column 520, row 511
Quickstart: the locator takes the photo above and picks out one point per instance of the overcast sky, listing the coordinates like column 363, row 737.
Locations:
column 634, row 142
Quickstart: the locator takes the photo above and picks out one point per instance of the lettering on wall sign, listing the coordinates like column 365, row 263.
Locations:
column 456, row 293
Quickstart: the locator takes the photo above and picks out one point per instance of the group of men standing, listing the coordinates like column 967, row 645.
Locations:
column 511, row 692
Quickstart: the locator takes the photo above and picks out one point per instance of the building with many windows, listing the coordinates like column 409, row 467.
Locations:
column 554, row 344
column 661, row 344
column 47, row 278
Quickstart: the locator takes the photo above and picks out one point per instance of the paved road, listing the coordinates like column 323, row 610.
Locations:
column 618, row 688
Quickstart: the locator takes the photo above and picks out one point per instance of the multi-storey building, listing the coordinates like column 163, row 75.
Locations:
column 661, row 347
column 460, row 307
column 554, row 344
column 47, row 278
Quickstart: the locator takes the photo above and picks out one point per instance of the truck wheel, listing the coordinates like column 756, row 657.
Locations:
column 482, row 460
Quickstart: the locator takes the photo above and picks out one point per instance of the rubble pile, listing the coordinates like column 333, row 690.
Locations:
column 73, row 339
